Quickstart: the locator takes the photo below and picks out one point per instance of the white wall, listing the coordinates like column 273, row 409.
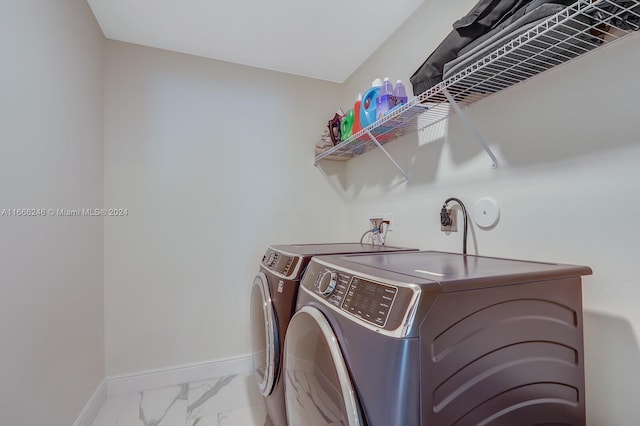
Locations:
column 567, row 185
column 214, row 162
column 51, row 268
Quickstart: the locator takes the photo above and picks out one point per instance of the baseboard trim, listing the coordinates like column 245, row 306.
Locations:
column 177, row 375
column 91, row 408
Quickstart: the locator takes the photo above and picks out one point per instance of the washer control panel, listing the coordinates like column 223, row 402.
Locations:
column 365, row 299
column 369, row 300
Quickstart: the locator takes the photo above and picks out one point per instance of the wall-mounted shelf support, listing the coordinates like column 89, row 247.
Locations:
column 373, row 138
column 474, row 131
column 379, row 145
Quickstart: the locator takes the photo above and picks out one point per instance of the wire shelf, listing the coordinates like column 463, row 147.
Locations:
column 580, row 28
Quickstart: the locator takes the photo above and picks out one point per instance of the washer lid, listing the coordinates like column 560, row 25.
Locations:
column 455, row 272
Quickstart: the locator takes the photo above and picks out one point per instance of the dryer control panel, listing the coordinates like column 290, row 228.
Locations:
column 280, row 263
column 382, row 305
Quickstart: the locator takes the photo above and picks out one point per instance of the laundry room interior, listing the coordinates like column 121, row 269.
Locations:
column 195, row 164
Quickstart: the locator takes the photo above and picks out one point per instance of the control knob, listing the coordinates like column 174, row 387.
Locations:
column 328, row 283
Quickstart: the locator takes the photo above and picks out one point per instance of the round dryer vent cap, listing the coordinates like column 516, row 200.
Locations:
column 486, row 212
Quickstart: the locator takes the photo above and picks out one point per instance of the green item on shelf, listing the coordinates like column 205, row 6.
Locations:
column 346, row 125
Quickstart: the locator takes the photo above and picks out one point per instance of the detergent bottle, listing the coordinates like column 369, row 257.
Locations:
column 346, row 126
column 356, row 116
column 383, row 102
column 399, row 94
column 368, row 106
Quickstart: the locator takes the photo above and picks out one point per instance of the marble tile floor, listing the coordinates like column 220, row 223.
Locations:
column 223, row 401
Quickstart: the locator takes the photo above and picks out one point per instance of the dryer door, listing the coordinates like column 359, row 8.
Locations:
column 318, row 388
column 265, row 343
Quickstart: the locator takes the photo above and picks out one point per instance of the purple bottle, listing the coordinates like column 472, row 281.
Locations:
column 399, row 94
column 383, row 102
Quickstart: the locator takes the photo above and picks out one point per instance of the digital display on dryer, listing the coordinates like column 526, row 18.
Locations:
column 369, row 301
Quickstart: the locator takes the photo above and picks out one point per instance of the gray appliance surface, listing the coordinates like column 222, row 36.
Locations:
column 273, row 299
column 290, row 260
column 453, row 271
column 433, row 338
column 334, row 248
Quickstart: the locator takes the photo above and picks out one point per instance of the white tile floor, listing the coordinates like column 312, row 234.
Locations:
column 224, row 401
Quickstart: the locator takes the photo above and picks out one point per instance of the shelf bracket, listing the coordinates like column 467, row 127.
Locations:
column 373, row 138
column 471, row 127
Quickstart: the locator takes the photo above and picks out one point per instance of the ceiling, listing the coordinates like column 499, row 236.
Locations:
column 326, row 39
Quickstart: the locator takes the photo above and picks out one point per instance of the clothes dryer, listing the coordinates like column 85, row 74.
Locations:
column 273, row 299
column 431, row 338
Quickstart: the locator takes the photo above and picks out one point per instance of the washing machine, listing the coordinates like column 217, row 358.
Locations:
column 435, row 339
column 273, row 299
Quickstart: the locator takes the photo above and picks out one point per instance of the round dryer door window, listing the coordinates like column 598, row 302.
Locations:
column 265, row 345
column 318, row 388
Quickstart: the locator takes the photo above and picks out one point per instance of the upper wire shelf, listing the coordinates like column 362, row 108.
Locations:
column 578, row 29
